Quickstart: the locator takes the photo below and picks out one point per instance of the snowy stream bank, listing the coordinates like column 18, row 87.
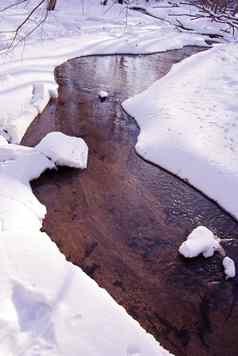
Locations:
column 41, row 313
column 188, row 122
column 49, row 307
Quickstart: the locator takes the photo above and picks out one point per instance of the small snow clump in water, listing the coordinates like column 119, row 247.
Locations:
column 103, row 94
column 229, row 267
column 200, row 241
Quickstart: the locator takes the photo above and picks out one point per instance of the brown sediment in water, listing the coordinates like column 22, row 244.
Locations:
column 123, row 219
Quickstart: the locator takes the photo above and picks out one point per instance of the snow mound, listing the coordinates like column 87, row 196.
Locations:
column 200, row 241
column 229, row 267
column 64, row 150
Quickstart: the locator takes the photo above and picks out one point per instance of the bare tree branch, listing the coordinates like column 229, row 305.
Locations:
column 13, row 5
column 22, row 31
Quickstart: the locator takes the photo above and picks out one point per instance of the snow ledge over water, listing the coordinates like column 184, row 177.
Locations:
column 188, row 122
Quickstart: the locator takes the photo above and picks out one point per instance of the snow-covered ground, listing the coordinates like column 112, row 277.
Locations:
column 189, row 18
column 189, row 126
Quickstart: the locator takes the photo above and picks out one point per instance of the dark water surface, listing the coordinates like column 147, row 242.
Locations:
column 123, row 219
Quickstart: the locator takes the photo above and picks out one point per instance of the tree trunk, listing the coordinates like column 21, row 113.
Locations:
column 51, row 5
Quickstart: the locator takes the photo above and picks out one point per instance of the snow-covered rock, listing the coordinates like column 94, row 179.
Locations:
column 64, row 150
column 200, row 241
column 103, row 94
column 229, row 267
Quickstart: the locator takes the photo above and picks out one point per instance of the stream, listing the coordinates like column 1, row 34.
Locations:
column 123, row 219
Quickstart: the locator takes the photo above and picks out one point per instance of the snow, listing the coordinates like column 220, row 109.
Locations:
column 52, row 308
column 3, row 140
column 64, row 150
column 103, row 94
column 48, row 306
column 229, row 267
column 200, row 241
column 19, row 165
column 72, row 30
column 190, row 19
column 188, row 123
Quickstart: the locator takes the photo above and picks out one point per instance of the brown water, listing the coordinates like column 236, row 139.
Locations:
column 123, row 219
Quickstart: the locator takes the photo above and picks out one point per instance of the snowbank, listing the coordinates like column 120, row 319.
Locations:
column 50, row 307
column 72, row 30
column 188, row 122
column 19, row 165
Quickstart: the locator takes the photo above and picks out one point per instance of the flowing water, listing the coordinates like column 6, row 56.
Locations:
column 123, row 219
